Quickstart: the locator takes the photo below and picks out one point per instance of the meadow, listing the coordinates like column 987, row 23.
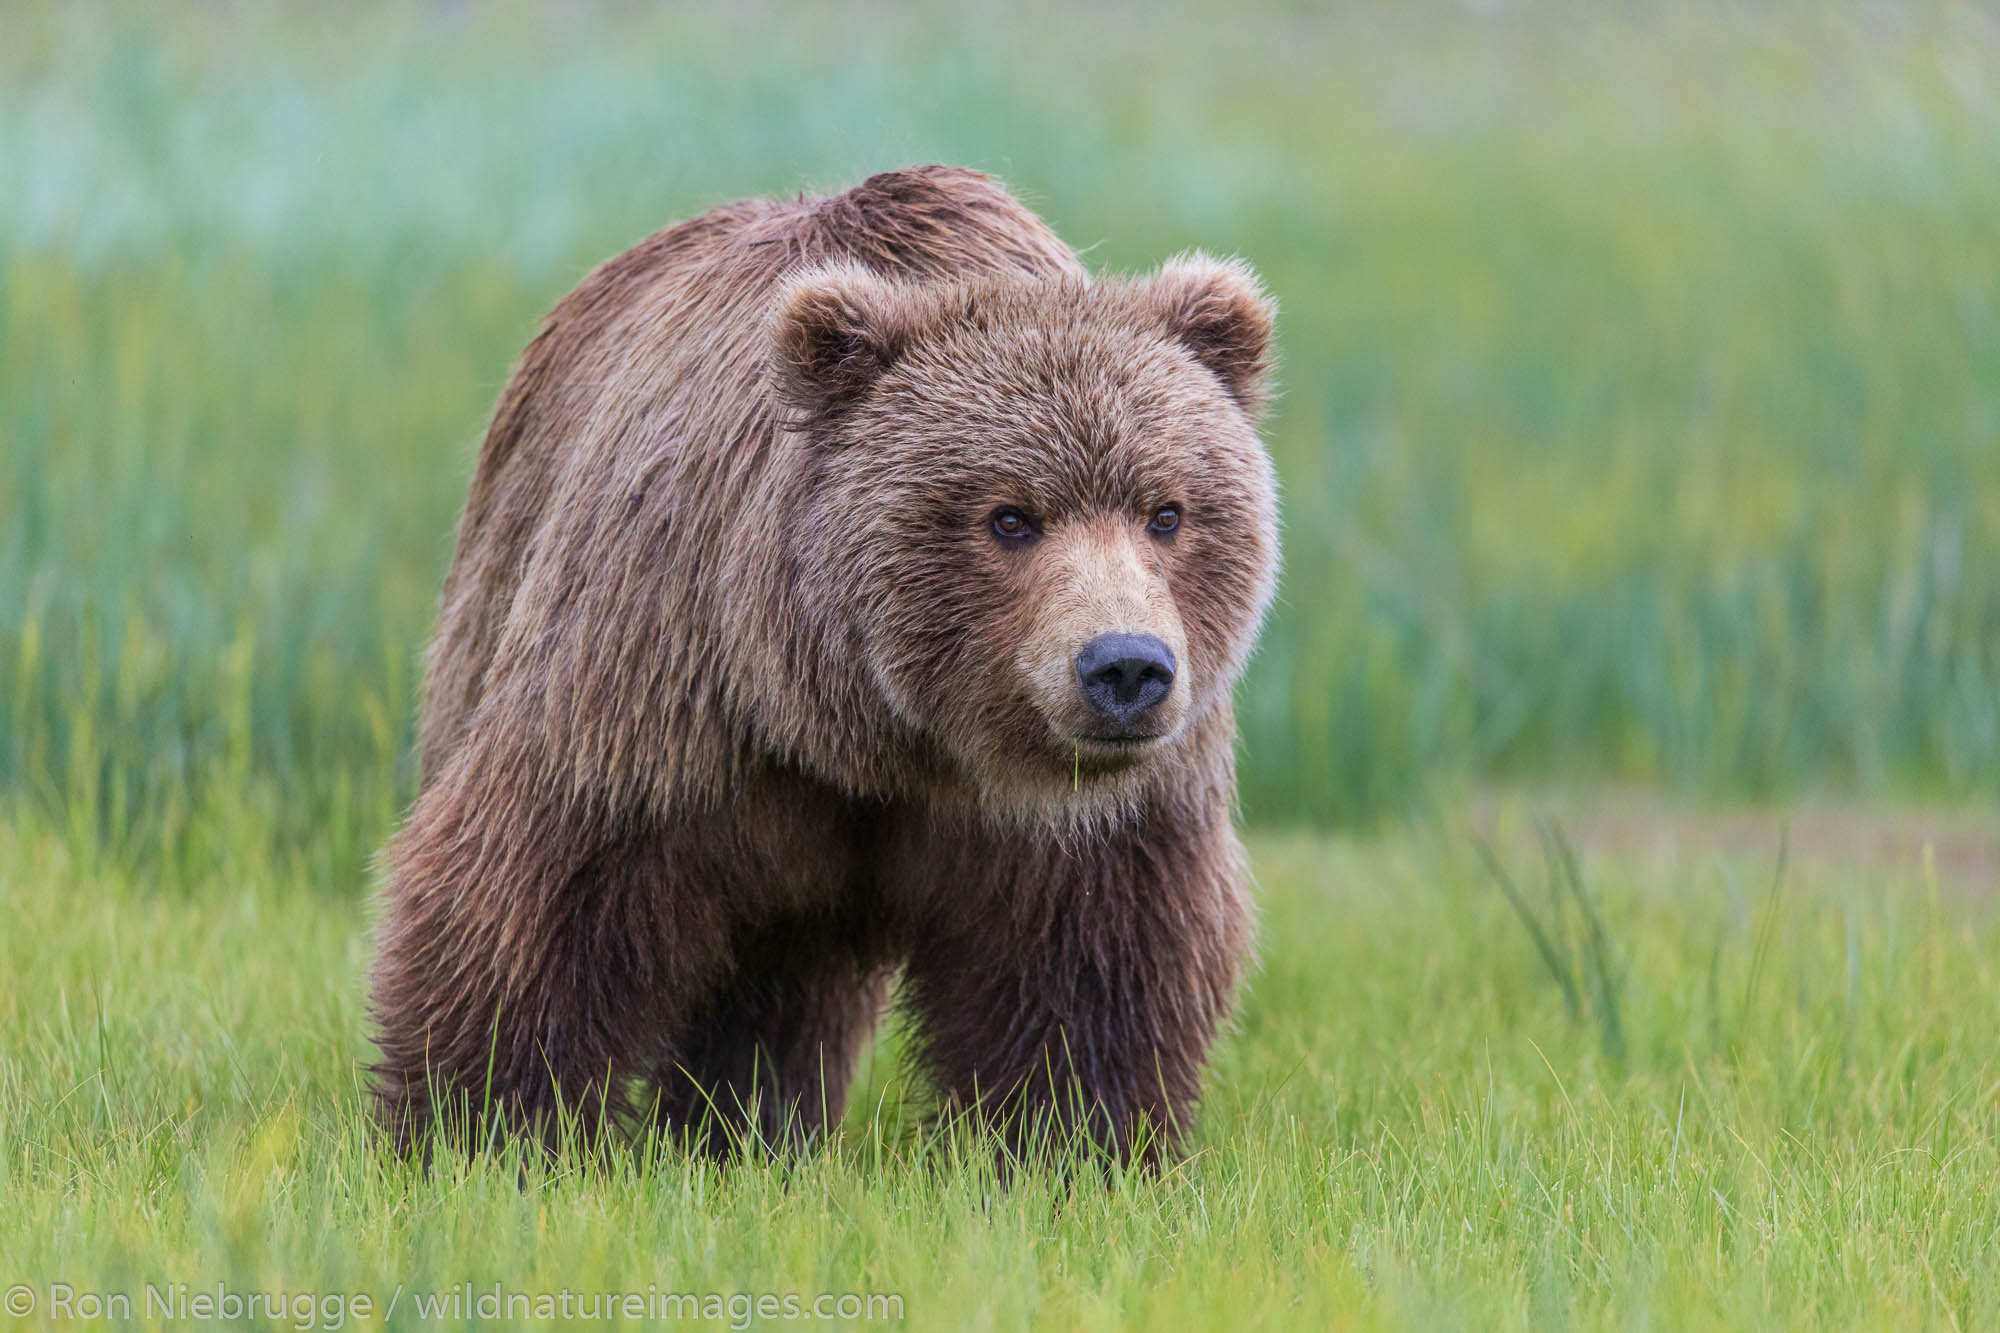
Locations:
column 1640, row 429
column 1775, row 1103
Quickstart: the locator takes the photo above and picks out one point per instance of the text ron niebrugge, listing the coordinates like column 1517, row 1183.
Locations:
column 172, row 1302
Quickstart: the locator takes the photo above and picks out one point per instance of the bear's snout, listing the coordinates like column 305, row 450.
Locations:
column 1124, row 678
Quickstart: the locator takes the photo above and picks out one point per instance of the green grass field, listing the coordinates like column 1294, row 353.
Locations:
column 1640, row 428
column 1791, row 1121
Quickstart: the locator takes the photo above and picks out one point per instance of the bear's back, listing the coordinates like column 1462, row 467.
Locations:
column 672, row 331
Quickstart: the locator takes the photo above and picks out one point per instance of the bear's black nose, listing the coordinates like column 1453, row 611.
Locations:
column 1125, row 675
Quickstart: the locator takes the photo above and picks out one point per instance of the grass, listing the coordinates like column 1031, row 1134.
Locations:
column 1799, row 1126
column 1642, row 374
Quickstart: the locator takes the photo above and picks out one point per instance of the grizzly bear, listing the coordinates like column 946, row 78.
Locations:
column 850, row 588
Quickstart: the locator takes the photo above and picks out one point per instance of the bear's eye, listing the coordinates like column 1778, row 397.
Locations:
column 1165, row 520
column 1012, row 526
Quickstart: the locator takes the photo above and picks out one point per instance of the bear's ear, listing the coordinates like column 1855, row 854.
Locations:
column 835, row 330
column 1218, row 310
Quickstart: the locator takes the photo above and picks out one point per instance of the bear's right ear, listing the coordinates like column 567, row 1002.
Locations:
column 836, row 329
column 1218, row 310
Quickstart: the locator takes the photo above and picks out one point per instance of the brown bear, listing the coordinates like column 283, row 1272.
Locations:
column 849, row 587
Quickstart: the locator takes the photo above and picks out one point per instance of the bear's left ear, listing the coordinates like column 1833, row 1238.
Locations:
column 1218, row 310
column 834, row 331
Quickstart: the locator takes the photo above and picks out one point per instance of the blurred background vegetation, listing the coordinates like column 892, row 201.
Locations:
column 1641, row 413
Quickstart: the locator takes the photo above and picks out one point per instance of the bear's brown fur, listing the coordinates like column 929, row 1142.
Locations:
column 757, row 679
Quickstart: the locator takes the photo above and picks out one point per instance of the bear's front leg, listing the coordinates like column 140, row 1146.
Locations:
column 530, row 954
column 765, row 1061
column 1073, row 985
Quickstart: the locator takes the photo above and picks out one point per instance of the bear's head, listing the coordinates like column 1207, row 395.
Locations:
column 1041, row 507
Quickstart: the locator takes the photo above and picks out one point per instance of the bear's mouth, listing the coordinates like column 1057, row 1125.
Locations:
column 1110, row 754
